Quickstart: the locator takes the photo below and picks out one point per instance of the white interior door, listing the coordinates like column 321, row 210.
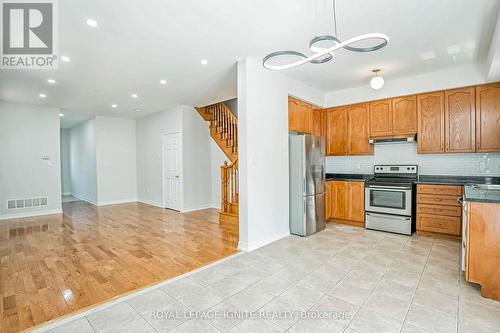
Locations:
column 171, row 171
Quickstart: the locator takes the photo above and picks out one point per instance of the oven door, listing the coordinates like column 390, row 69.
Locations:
column 389, row 200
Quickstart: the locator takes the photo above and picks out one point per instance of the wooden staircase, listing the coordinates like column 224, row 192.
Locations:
column 224, row 131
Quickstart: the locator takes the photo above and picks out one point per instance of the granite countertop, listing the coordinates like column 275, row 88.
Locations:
column 348, row 176
column 456, row 180
column 473, row 194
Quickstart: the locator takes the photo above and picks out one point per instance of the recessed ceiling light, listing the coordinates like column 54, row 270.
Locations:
column 91, row 22
column 42, row 96
column 51, row 81
column 164, row 82
column 204, row 61
column 114, row 106
column 138, row 110
column 134, row 96
column 61, row 114
column 65, row 58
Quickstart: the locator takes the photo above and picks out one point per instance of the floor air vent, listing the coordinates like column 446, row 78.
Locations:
column 27, row 203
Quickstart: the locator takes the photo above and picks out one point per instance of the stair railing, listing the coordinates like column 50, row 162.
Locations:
column 229, row 187
column 226, row 123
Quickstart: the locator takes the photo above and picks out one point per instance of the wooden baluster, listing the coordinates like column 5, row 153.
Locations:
column 226, row 123
column 234, row 137
column 223, row 122
column 216, row 117
column 233, row 179
column 223, row 176
column 231, row 135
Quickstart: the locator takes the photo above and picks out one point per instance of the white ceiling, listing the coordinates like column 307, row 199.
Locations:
column 137, row 43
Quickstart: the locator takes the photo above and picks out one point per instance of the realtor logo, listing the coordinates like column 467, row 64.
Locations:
column 28, row 34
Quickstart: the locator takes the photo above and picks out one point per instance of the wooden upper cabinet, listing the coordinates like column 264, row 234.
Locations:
column 404, row 115
column 299, row 116
column 336, row 132
column 305, row 122
column 358, row 129
column 488, row 118
column 293, row 114
column 381, row 118
column 460, row 119
column 430, row 111
column 318, row 122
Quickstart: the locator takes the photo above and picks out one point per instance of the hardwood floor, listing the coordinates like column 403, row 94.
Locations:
column 53, row 265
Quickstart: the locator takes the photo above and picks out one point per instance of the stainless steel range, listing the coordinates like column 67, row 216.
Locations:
column 389, row 199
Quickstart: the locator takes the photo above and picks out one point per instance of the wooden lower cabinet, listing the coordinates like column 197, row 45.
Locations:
column 482, row 264
column 345, row 201
column 439, row 210
column 441, row 224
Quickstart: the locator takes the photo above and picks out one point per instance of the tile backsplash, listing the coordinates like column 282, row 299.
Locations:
column 472, row 164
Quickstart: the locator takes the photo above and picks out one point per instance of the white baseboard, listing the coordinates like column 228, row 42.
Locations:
column 192, row 209
column 66, row 193
column 151, row 203
column 116, row 202
column 84, row 199
column 20, row 215
column 248, row 248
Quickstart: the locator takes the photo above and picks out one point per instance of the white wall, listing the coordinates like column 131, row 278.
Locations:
column 429, row 164
column 445, row 79
column 232, row 104
column 149, row 152
column 196, row 161
column 263, row 150
column 84, row 161
column 116, row 160
column 65, row 161
column 26, row 133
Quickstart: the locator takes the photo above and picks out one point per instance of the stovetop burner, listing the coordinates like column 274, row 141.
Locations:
column 394, row 175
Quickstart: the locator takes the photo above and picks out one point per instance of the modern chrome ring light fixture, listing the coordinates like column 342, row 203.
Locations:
column 322, row 55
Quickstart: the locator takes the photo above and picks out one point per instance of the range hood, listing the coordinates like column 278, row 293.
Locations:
column 393, row 139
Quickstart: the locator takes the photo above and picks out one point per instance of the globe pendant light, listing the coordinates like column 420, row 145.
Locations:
column 324, row 54
column 377, row 81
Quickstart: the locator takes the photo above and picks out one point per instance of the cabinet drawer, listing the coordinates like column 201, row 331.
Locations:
column 449, row 225
column 431, row 199
column 439, row 189
column 439, row 210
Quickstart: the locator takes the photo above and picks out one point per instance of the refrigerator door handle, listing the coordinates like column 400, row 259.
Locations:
column 304, row 206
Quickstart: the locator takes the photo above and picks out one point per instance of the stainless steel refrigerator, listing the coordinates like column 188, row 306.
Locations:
column 307, row 184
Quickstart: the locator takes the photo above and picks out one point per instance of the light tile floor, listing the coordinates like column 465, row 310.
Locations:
column 366, row 281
